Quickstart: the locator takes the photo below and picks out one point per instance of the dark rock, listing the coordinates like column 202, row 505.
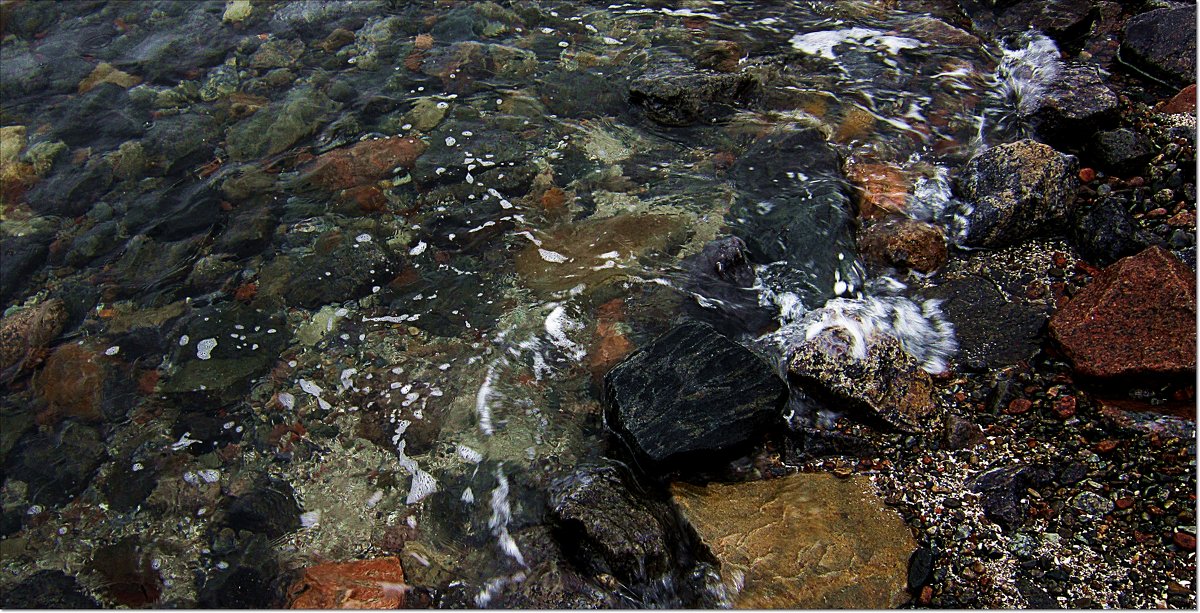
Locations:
column 148, row 265
column 129, row 578
column 1036, row 595
column 58, row 465
column 179, row 212
column 826, row 443
column 1016, row 191
column 609, row 526
column 674, row 94
column 1137, row 317
column 70, row 191
column 14, row 423
column 874, row 375
column 340, row 269
column 1002, row 491
column 920, row 568
column 905, row 243
column 1163, row 42
column 723, row 275
column 991, row 329
column 269, row 509
column 552, row 582
column 102, row 115
column 1106, row 232
column 692, row 390
column 249, row 229
column 22, row 256
column 48, row 589
column 1075, row 105
column 789, row 220
column 240, row 587
column 167, row 56
column 181, row 143
column 1061, row 19
column 583, row 94
column 961, row 433
column 1122, row 151
column 279, row 126
column 126, row 490
column 247, row 343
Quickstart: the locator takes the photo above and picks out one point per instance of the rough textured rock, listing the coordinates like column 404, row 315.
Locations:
column 361, row 584
column 1003, row 492
column 1136, row 317
column 905, row 243
column 279, row 126
column 22, row 255
column 692, row 390
column 71, row 383
column 1163, row 42
column 1105, row 232
column 1015, row 191
column 27, row 331
column 364, row 163
column 609, row 522
column 873, row 374
column 676, row 95
column 802, row 542
column 1184, row 102
column 1121, row 151
column 552, row 581
column 270, row 510
column 1075, row 105
column 992, row 329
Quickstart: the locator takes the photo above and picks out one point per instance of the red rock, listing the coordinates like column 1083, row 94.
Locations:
column 1182, row 219
column 882, row 189
column 28, row 331
column 1018, row 406
column 1137, row 316
column 1087, row 175
column 70, row 383
column 1184, row 541
column 362, row 584
column 1184, row 102
column 365, row 162
column 905, row 243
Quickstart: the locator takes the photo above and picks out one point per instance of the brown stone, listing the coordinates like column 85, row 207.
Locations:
column 881, row 189
column 70, row 383
column 808, row 541
column 361, row 584
column 106, row 73
column 27, row 331
column 1183, row 103
column 610, row 344
column 1137, row 316
column 905, row 243
column 337, row 39
column 364, row 163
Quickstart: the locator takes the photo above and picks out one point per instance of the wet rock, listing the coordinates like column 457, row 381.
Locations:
column 249, row 582
column 692, row 390
column 226, row 347
column 552, row 582
column 1163, row 42
column 71, row 191
column 277, row 53
column 723, row 275
column 992, row 328
column 1105, row 232
column 676, row 95
column 363, row 163
column 106, row 73
column 27, row 331
column 1016, row 191
column 607, row 522
column 102, row 114
column 881, row 189
column 22, row 256
column 804, row 541
column 1121, row 151
column 279, row 126
column 249, row 229
column 71, row 383
column 610, row 345
column 167, row 56
column 1075, row 105
column 129, row 577
column 872, row 374
column 177, row 213
column 1003, row 494
column 270, row 509
column 920, row 568
column 48, row 589
column 360, row 584
column 58, row 465
column 339, row 269
column 1137, row 317
column 960, row 433
column 905, row 243
column 181, row 143
column 1061, row 19
column 148, row 264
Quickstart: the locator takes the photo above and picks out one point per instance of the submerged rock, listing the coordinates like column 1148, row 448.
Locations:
column 359, row 584
column 801, row 542
column 270, row 510
column 723, row 279
column 1137, row 317
column 551, row 582
column 1163, row 42
column 692, row 390
column 27, row 331
column 905, row 243
column 48, row 589
column 58, row 465
column 1016, row 191
column 676, row 95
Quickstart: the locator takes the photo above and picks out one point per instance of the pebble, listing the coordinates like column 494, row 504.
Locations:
column 1184, row 540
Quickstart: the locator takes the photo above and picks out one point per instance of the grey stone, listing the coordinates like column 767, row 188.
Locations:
column 1075, row 105
column 1163, row 42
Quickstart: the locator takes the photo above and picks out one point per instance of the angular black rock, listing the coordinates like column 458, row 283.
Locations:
column 723, row 278
column 674, row 94
column 1002, row 491
column 1076, row 104
column 270, row 510
column 1163, row 43
column 692, row 390
column 1105, row 232
column 1122, row 151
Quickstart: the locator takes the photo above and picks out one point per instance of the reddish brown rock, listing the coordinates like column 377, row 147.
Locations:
column 1183, row 103
column 361, row 584
column 70, row 383
column 28, row 331
column 905, row 243
column 364, row 163
column 610, row 345
column 881, row 189
column 1137, row 316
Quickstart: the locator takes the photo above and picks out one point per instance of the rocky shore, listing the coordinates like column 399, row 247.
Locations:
column 544, row 305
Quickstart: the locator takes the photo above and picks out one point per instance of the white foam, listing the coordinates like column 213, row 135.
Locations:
column 822, row 43
column 482, row 409
column 204, row 348
column 557, row 325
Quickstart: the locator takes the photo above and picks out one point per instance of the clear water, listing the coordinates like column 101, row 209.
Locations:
column 417, row 348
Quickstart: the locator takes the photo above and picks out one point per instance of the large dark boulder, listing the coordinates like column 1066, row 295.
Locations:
column 1016, row 191
column 1162, row 42
column 1075, row 105
column 675, row 94
column 692, row 390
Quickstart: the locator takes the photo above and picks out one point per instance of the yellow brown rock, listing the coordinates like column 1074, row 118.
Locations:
column 106, row 73
column 801, row 542
column 361, row 584
column 29, row 330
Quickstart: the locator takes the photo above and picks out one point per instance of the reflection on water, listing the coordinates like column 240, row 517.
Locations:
column 382, row 253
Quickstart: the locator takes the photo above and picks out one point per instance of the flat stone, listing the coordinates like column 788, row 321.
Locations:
column 807, row 541
column 27, row 330
column 1136, row 317
column 1163, row 42
column 692, row 390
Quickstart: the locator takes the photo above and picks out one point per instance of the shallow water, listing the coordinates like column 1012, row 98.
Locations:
column 390, row 269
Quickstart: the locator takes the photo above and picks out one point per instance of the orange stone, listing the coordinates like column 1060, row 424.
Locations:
column 361, row 584
column 881, row 189
column 70, row 383
column 365, row 162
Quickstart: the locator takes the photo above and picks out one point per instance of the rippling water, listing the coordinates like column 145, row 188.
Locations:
column 390, row 267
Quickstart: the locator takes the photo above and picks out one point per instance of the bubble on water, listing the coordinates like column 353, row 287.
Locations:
column 204, row 348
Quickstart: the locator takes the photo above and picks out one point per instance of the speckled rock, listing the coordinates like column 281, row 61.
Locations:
column 692, row 390
column 28, row 330
column 905, row 243
column 1163, row 42
column 1122, row 151
column 1075, row 105
column 1003, row 495
column 675, row 95
column 1016, row 191
column 874, row 375
column 800, row 542
column 1136, row 317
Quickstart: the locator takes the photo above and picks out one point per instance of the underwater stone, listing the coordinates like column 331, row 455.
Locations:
column 270, row 510
column 58, row 465
column 1017, row 191
column 358, row 584
column 1122, row 151
column 29, row 330
column 676, row 95
column 693, row 390
column 48, row 589
column 803, row 541
column 905, row 243
column 1004, row 492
